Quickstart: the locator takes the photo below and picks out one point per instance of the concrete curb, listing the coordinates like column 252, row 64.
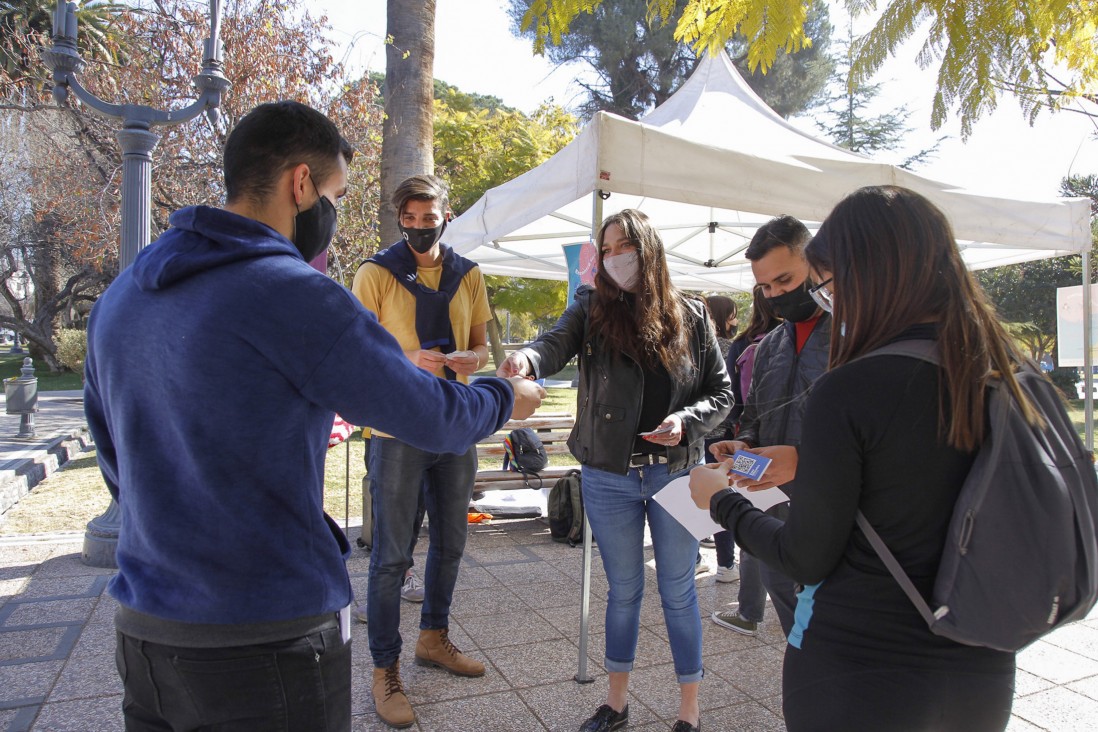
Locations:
column 18, row 481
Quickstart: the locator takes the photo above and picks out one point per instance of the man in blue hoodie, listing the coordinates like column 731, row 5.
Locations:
column 215, row 365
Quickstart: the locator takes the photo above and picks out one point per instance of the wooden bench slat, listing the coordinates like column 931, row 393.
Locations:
column 541, row 422
column 552, row 429
column 497, row 450
column 516, row 484
column 553, row 471
column 545, row 437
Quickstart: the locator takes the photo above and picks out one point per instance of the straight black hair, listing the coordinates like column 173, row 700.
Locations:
column 274, row 137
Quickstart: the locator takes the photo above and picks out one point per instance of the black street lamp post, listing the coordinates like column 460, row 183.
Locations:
column 137, row 142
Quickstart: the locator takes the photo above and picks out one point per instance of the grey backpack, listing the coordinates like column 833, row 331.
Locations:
column 566, row 509
column 1021, row 554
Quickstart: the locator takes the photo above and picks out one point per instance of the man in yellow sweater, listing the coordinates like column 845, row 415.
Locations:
column 434, row 302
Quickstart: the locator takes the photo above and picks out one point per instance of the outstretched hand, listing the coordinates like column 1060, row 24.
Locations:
column 515, row 365
column 782, row 468
column 528, row 396
column 708, row 480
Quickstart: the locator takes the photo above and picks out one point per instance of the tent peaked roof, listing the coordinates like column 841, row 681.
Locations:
column 709, row 166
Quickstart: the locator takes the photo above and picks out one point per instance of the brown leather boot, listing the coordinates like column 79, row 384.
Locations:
column 435, row 649
column 389, row 699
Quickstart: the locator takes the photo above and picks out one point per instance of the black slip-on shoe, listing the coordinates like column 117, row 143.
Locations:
column 681, row 726
column 605, row 719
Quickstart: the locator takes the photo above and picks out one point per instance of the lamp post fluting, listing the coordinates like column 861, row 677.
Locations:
column 137, row 141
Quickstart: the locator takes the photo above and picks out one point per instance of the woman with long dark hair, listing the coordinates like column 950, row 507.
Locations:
column 652, row 384
column 894, row 437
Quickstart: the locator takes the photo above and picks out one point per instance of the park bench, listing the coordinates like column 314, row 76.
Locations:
column 553, row 430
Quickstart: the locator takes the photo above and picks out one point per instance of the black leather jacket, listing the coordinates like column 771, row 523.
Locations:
column 610, row 403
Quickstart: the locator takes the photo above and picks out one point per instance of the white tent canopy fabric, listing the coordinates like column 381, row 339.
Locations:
column 709, row 166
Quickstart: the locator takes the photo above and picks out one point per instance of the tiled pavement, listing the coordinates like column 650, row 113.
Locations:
column 516, row 608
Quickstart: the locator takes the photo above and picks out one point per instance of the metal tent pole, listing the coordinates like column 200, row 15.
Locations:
column 582, row 677
column 1088, row 360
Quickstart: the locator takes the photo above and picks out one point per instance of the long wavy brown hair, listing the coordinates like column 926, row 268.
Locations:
column 653, row 327
column 895, row 263
column 763, row 318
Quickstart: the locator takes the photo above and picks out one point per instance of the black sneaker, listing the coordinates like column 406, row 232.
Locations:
column 606, row 719
column 681, row 726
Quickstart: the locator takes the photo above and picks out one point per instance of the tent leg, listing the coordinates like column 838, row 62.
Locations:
column 596, row 212
column 582, row 677
column 347, row 487
column 1088, row 360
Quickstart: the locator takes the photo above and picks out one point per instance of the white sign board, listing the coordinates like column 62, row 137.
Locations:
column 1069, row 325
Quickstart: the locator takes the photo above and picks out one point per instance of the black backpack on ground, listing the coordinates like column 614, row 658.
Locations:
column 566, row 509
column 1021, row 555
column 524, row 453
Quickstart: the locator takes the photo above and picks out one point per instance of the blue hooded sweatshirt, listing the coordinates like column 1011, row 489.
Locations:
column 215, row 366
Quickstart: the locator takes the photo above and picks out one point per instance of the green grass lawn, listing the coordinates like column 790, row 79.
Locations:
column 71, row 497
column 11, row 363
column 76, row 494
column 1077, row 412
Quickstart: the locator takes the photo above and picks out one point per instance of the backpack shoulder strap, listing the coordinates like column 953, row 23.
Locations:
column 922, row 349
column 895, row 569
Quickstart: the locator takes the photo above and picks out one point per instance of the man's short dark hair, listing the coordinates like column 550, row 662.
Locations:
column 274, row 137
column 421, row 188
column 780, row 231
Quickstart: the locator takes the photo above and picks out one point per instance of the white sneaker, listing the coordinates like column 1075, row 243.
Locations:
column 701, row 567
column 412, row 590
column 728, row 574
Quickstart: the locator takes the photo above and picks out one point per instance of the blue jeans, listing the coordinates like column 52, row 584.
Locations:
column 296, row 685
column 723, row 541
column 617, row 506
column 399, row 474
column 752, row 594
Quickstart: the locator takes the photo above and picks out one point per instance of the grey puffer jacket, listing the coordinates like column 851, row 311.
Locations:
column 774, row 407
column 609, row 401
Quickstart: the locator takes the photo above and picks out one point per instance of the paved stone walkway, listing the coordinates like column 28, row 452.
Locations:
column 516, row 608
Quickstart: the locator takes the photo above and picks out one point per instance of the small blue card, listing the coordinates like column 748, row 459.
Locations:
column 749, row 465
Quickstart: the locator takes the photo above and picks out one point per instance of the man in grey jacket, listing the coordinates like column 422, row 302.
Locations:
column 789, row 359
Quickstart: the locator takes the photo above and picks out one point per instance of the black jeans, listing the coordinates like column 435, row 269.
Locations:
column 297, row 685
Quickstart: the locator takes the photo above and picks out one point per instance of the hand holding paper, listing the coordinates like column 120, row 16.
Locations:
column 676, row 500
column 707, row 480
column 668, row 433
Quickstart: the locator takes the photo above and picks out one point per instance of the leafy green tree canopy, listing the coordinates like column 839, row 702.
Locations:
column 639, row 61
column 982, row 48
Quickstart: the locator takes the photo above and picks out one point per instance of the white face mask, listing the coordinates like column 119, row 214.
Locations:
column 624, row 270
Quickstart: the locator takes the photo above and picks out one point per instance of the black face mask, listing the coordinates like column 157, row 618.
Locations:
column 795, row 305
column 421, row 240
column 314, row 228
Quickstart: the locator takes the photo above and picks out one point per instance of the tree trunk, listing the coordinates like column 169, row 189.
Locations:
column 407, row 146
column 495, row 340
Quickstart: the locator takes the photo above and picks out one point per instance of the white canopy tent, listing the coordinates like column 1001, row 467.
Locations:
column 709, row 166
